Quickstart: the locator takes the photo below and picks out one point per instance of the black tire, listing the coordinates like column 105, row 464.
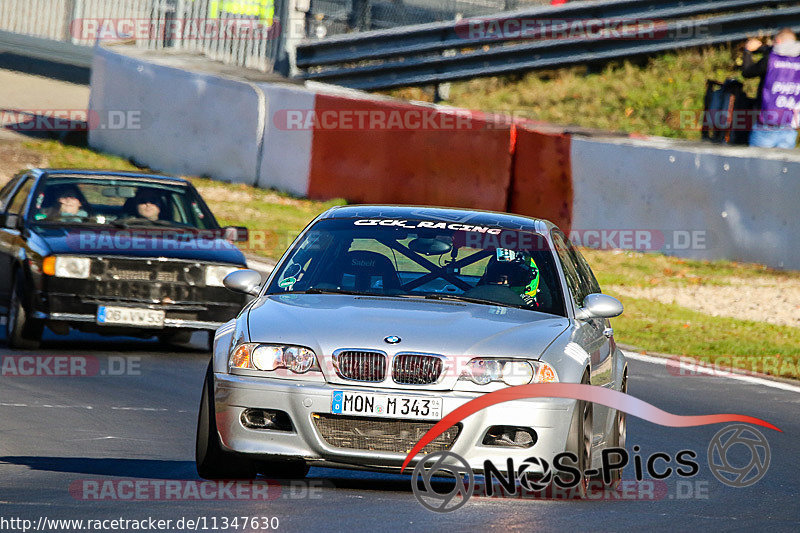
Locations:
column 211, row 460
column 22, row 332
column 620, row 433
column 290, row 469
column 580, row 442
column 175, row 336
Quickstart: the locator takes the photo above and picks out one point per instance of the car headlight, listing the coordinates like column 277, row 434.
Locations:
column 512, row 372
column 67, row 267
column 216, row 273
column 270, row 357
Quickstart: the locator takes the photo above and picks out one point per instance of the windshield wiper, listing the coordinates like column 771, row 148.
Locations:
column 315, row 290
column 459, row 298
column 127, row 222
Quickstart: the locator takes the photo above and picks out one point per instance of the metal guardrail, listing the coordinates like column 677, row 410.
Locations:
column 436, row 53
column 46, row 49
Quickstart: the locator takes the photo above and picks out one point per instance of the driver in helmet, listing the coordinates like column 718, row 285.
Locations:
column 515, row 270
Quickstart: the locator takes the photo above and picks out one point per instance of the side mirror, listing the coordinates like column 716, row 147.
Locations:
column 236, row 233
column 244, row 281
column 11, row 221
column 600, row 306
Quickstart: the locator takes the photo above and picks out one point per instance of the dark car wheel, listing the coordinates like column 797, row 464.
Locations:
column 175, row 336
column 21, row 331
column 212, row 461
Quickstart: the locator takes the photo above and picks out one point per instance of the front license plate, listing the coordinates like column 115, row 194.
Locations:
column 385, row 405
column 130, row 316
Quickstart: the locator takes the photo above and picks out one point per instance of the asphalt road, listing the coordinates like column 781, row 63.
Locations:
column 56, row 432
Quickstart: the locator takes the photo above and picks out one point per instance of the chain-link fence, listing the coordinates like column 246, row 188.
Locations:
column 63, row 20
column 330, row 17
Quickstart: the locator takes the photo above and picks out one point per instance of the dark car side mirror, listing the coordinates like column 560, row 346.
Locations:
column 236, row 234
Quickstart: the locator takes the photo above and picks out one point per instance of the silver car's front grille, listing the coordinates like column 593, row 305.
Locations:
column 361, row 365
column 380, row 434
column 416, row 369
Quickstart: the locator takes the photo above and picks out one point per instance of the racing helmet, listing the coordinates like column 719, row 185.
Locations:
column 515, row 269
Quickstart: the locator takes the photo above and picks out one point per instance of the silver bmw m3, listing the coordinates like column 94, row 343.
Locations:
column 380, row 320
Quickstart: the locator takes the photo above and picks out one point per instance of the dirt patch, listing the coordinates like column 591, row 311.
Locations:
column 776, row 301
column 15, row 157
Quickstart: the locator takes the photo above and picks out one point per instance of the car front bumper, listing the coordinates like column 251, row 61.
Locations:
column 549, row 418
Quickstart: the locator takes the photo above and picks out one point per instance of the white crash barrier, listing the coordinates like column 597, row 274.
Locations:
column 174, row 120
column 704, row 201
column 286, row 152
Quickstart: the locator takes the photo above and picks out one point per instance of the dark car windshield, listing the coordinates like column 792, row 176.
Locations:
column 423, row 259
column 118, row 202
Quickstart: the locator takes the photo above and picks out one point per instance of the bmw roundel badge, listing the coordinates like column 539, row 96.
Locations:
column 392, row 339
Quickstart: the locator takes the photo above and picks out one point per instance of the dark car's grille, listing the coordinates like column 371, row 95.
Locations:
column 379, row 434
column 126, row 269
column 416, row 369
column 359, row 365
column 146, row 280
column 144, row 291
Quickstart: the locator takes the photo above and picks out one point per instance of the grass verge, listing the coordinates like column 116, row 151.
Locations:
column 646, row 97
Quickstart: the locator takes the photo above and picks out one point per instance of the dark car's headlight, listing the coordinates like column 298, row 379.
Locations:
column 216, row 273
column 483, row 371
column 64, row 266
column 270, row 357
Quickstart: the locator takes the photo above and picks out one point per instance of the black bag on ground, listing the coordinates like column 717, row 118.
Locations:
column 728, row 113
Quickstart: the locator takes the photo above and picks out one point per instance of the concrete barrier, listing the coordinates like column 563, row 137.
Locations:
column 286, row 149
column 190, row 123
column 708, row 202
column 541, row 180
column 382, row 151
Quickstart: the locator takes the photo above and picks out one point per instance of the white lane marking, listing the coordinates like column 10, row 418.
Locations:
column 49, row 406
column 717, row 373
column 139, row 409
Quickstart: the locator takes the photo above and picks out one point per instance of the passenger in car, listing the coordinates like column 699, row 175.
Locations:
column 146, row 204
column 62, row 201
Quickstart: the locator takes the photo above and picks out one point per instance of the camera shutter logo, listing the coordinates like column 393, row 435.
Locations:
column 724, row 465
column 459, row 469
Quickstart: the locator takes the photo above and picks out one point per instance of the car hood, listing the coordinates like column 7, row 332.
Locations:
column 134, row 243
column 457, row 330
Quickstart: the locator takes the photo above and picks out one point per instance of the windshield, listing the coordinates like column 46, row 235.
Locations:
column 118, row 202
column 423, row 259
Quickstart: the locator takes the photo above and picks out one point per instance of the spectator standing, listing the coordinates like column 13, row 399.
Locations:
column 778, row 92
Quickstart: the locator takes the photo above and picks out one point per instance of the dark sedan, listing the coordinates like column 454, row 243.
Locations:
column 114, row 253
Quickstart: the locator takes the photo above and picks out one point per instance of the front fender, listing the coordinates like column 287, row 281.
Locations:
column 568, row 358
column 223, row 340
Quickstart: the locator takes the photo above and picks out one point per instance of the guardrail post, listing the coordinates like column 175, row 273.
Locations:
column 292, row 31
column 70, row 14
